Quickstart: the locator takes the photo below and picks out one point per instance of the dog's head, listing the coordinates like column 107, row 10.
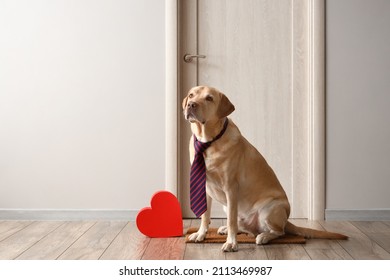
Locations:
column 203, row 104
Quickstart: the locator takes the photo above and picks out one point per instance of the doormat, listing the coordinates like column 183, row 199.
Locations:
column 213, row 237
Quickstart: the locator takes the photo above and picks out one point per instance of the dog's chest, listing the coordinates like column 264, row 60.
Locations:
column 218, row 170
column 215, row 187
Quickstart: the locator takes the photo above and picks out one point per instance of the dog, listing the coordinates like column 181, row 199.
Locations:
column 238, row 176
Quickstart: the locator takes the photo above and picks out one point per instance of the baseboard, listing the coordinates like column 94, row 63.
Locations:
column 67, row 215
column 358, row 215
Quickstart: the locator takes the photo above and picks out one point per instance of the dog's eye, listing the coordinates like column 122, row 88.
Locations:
column 209, row 98
column 190, row 95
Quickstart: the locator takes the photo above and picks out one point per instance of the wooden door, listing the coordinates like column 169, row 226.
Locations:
column 255, row 54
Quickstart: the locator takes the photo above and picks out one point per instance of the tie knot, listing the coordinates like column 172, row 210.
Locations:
column 200, row 147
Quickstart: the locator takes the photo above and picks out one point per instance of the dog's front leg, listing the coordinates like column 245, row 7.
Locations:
column 200, row 235
column 231, row 244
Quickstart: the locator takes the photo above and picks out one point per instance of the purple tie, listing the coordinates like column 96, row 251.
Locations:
column 198, row 175
column 198, row 179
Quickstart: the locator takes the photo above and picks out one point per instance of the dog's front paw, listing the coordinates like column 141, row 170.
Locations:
column 198, row 236
column 230, row 247
column 223, row 230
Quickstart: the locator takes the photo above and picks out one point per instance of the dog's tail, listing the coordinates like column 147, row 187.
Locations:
column 312, row 233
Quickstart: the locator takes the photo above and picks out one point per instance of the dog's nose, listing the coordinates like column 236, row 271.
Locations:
column 192, row 105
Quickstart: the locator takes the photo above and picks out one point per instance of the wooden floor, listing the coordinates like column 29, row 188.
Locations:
column 119, row 240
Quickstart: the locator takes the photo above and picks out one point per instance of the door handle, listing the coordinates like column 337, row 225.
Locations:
column 190, row 57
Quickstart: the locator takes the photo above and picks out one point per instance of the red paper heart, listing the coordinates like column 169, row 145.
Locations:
column 163, row 218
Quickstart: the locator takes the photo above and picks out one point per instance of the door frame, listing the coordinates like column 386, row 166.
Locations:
column 312, row 13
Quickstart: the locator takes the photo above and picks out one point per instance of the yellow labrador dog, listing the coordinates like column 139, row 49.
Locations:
column 238, row 176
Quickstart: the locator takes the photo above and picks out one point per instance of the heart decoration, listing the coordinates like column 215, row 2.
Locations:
column 163, row 218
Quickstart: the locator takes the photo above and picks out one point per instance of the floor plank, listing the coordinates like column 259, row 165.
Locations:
column 387, row 223
column 248, row 252
column 372, row 226
column 130, row 244
column 321, row 249
column 94, row 242
column 166, row 248
column 377, row 231
column 8, row 228
column 382, row 239
column 359, row 245
column 16, row 244
column 121, row 240
column 202, row 251
column 55, row 243
column 286, row 252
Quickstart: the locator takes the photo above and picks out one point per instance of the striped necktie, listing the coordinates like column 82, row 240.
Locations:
column 198, row 175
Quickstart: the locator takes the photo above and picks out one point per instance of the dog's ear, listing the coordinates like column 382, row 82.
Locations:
column 225, row 107
column 184, row 104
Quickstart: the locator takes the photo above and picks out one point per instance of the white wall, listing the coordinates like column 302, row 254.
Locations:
column 358, row 104
column 81, row 103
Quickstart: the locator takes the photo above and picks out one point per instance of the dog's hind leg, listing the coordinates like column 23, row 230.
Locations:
column 273, row 224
